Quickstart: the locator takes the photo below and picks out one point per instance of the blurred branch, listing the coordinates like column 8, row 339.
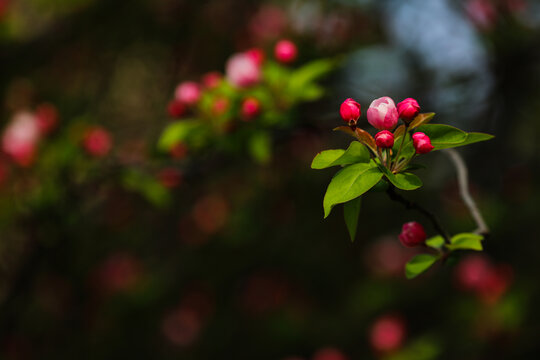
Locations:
column 463, row 182
column 414, row 206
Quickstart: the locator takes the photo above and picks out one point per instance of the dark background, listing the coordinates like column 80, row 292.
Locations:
column 239, row 264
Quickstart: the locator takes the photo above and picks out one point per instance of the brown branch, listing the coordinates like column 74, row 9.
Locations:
column 411, row 205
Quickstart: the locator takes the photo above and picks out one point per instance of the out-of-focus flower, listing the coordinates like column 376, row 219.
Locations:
column 211, row 213
column 4, row 171
column 268, row 23
column 188, row 92
column 408, row 109
column 176, row 108
column 412, row 234
column 242, row 70
column 329, row 354
column 387, row 258
column 257, row 55
column 384, row 139
column 212, row 79
column 119, row 272
column 47, row 118
column 350, row 111
column 477, row 274
column 482, row 13
column 387, row 334
column 20, row 138
column 179, row 151
column 97, row 141
column 422, row 143
column 285, row 51
column 220, row 106
column 382, row 113
column 170, row 177
column 182, row 326
column 251, row 107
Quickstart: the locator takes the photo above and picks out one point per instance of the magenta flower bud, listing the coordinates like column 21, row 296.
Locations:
column 350, row 111
column 382, row 113
column 176, row 108
column 242, row 70
column 422, row 143
column 384, row 139
column 408, row 109
column 251, row 107
column 188, row 92
column 412, row 234
column 285, row 51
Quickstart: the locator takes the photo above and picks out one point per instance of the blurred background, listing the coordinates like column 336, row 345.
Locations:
column 214, row 246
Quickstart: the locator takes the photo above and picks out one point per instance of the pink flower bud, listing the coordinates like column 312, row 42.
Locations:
column 188, row 92
column 285, row 51
column 20, row 138
column 257, row 55
column 251, row 107
column 408, row 109
column 243, row 71
column 47, row 118
column 384, row 139
column 422, row 143
column 382, row 113
column 412, row 234
column 350, row 111
column 387, row 334
column 211, row 80
column 97, row 141
column 176, row 108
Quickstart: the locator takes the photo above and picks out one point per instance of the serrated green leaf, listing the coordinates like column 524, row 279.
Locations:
column 354, row 154
column 403, row 180
column 435, row 242
column 349, row 183
column 351, row 211
column 466, row 241
column 418, row 264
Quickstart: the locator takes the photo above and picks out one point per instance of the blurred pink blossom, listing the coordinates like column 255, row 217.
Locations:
column 20, row 138
column 242, row 70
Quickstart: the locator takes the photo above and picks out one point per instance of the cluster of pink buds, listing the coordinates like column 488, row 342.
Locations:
column 384, row 115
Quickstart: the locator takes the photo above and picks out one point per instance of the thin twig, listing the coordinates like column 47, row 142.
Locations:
column 414, row 206
column 463, row 182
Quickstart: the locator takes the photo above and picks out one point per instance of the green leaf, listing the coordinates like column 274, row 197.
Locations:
column 421, row 119
column 351, row 211
column 466, row 241
column 443, row 136
column 419, row 264
column 302, row 77
column 260, row 147
column 475, row 137
column 435, row 242
column 176, row 132
column 403, row 180
column 349, row 183
column 354, row 154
